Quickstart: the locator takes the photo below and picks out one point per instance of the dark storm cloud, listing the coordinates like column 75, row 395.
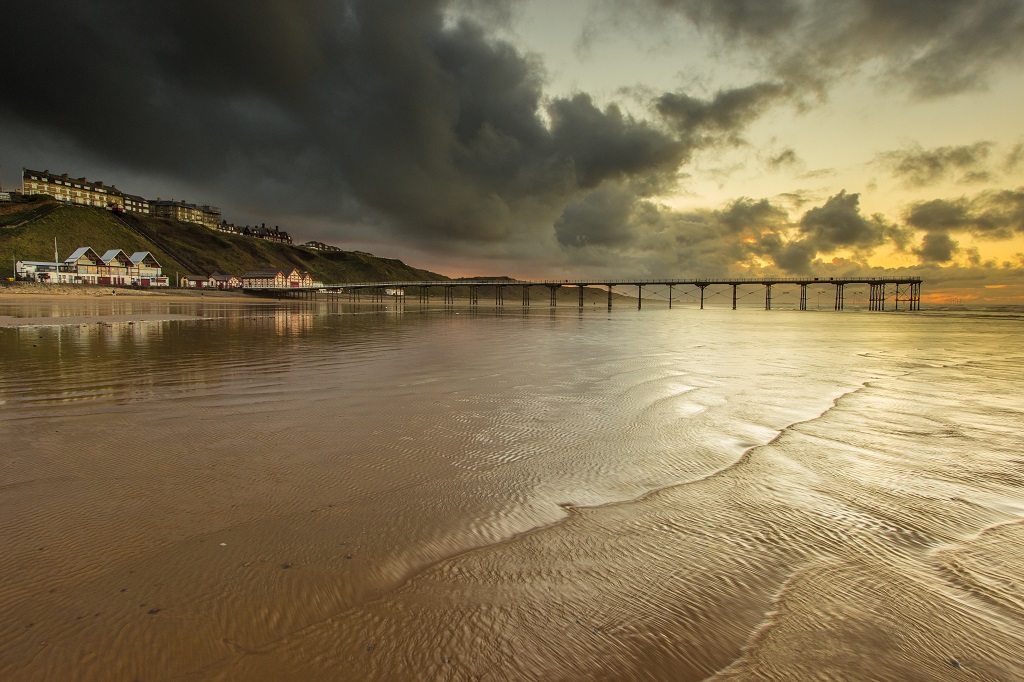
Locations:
column 938, row 47
column 746, row 214
column 996, row 215
column 604, row 217
column 723, row 117
column 838, row 223
column 605, row 144
column 937, row 247
column 919, row 167
column 793, row 256
column 736, row 19
column 387, row 112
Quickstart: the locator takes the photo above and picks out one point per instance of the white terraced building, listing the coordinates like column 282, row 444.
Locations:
column 85, row 266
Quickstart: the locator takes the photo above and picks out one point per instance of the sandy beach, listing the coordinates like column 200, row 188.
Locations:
column 12, row 291
column 24, row 299
column 274, row 490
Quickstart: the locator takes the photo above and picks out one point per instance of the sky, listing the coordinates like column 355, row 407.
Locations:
column 538, row 139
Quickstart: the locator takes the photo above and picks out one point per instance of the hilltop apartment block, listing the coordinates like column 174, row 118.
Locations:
column 88, row 193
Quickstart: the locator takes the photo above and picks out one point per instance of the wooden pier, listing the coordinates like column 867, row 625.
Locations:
column 881, row 290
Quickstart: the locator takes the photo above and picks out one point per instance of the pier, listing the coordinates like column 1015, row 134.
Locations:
column 881, row 290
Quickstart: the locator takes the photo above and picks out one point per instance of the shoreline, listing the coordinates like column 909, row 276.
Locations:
column 16, row 290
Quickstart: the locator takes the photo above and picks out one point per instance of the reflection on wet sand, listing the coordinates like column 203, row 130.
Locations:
column 323, row 491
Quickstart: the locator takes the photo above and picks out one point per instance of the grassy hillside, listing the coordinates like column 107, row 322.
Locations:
column 27, row 231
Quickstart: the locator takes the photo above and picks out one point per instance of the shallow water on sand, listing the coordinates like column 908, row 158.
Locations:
column 318, row 491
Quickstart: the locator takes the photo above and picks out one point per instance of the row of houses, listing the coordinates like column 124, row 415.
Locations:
column 320, row 246
column 214, row 281
column 271, row 234
column 116, row 268
column 258, row 279
column 85, row 266
column 83, row 192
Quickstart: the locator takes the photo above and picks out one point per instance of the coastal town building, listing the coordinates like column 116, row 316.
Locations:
column 115, row 268
column 80, row 191
column 43, row 271
column 182, row 211
column 219, row 281
column 148, row 272
column 85, row 266
column 193, row 282
column 278, row 279
column 136, row 204
column 270, row 234
column 320, row 246
column 264, row 279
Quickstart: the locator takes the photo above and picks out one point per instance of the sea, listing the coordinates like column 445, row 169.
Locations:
column 322, row 490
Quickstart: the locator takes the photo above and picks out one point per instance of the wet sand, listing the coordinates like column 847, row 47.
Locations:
column 322, row 492
column 14, row 292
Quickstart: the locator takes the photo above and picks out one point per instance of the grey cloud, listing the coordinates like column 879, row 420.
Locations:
column 722, row 117
column 940, row 214
column 838, row 223
column 785, row 158
column 737, row 19
column 606, row 144
column 795, row 256
column 937, row 247
column 748, row 214
column 1014, row 158
column 604, row 217
column 937, row 47
column 995, row 215
column 919, row 167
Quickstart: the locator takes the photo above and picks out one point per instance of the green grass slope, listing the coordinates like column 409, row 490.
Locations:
column 27, row 231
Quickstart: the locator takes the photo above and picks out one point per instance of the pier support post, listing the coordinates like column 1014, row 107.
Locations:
column 767, row 296
column 580, row 287
column 839, row 296
column 526, row 295
column 670, row 297
column 701, row 287
column 639, row 296
column 499, row 296
column 474, row 295
column 876, row 296
column 734, row 296
column 803, row 297
column 553, row 299
column 609, row 296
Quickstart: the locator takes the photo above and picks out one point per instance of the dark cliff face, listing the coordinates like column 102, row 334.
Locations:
column 27, row 232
